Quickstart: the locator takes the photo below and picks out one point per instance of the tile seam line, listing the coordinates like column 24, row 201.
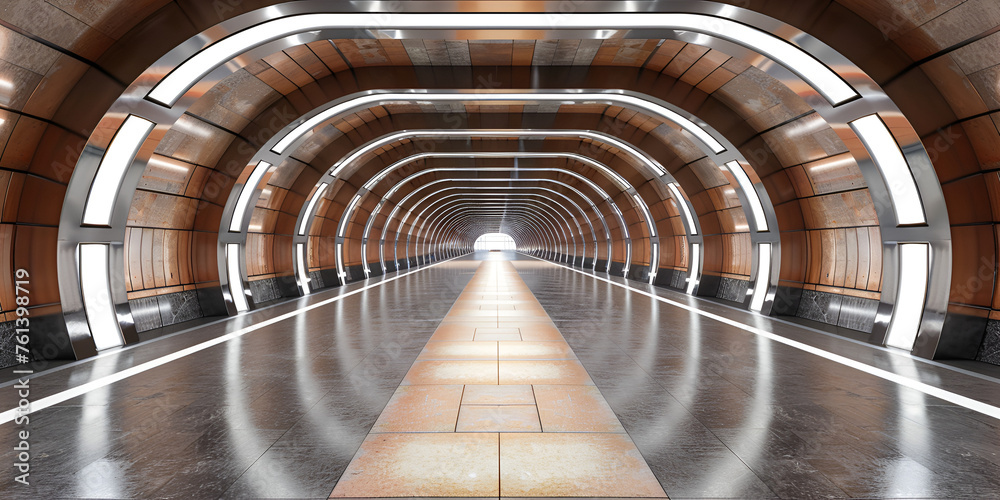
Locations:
column 59, row 397
column 930, row 390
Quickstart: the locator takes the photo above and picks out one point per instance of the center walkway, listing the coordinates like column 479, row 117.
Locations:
column 497, row 404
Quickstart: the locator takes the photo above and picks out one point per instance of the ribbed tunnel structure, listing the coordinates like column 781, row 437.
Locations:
column 819, row 176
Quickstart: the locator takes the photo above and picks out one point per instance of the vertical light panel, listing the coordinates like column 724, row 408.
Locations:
column 236, row 223
column 97, row 303
column 300, row 253
column 694, row 268
column 654, row 262
column 763, row 277
column 891, row 163
column 340, row 264
column 112, row 170
column 914, row 265
column 235, row 279
column 747, row 186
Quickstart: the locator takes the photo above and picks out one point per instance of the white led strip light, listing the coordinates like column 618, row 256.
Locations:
column 235, row 279
column 309, row 209
column 300, row 252
column 586, row 134
column 820, row 77
column 895, row 171
column 763, row 277
column 649, row 217
column 111, row 171
column 914, row 265
column 694, row 268
column 249, row 187
column 382, row 98
column 747, row 186
column 97, row 301
column 682, row 204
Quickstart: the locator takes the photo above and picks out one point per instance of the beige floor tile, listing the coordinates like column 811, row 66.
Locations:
column 555, row 372
column 574, row 408
column 574, row 465
column 508, row 418
column 444, row 350
column 509, row 337
column 421, row 408
column 451, row 372
column 436, row 464
column 498, row 395
column 454, row 332
column 511, row 351
column 539, row 332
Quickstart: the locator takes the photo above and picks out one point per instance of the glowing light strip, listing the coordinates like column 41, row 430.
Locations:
column 747, row 186
column 654, row 263
column 236, row 223
column 694, row 268
column 350, row 209
column 586, row 134
column 384, row 98
column 892, row 165
column 682, row 204
column 649, row 217
column 112, row 169
column 300, row 251
column 937, row 392
column 235, row 279
column 97, row 303
column 60, row 397
column 182, row 78
column 914, row 265
column 763, row 277
column 309, row 209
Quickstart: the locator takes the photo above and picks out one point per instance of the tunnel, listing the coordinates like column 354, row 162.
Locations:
column 486, row 249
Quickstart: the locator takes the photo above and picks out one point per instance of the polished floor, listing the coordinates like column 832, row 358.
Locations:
column 517, row 368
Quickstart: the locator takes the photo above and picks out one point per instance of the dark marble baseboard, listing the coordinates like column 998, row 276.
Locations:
column 164, row 310
column 989, row 351
column 265, row 290
column 616, row 268
column 8, row 344
column 732, row 289
column 855, row 313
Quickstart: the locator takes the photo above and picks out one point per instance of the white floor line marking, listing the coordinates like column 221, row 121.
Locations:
column 68, row 394
column 930, row 390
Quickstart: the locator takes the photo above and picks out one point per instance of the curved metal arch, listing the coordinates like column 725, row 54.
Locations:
column 689, row 220
column 792, row 56
column 577, row 192
column 551, row 202
column 508, row 188
column 492, row 169
column 550, row 216
column 549, row 211
column 633, row 195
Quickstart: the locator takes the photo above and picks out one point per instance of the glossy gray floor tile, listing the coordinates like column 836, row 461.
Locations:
column 716, row 411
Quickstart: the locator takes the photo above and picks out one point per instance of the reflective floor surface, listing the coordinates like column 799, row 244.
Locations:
column 529, row 375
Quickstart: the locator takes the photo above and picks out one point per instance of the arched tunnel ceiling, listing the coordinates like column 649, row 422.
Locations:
column 831, row 238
